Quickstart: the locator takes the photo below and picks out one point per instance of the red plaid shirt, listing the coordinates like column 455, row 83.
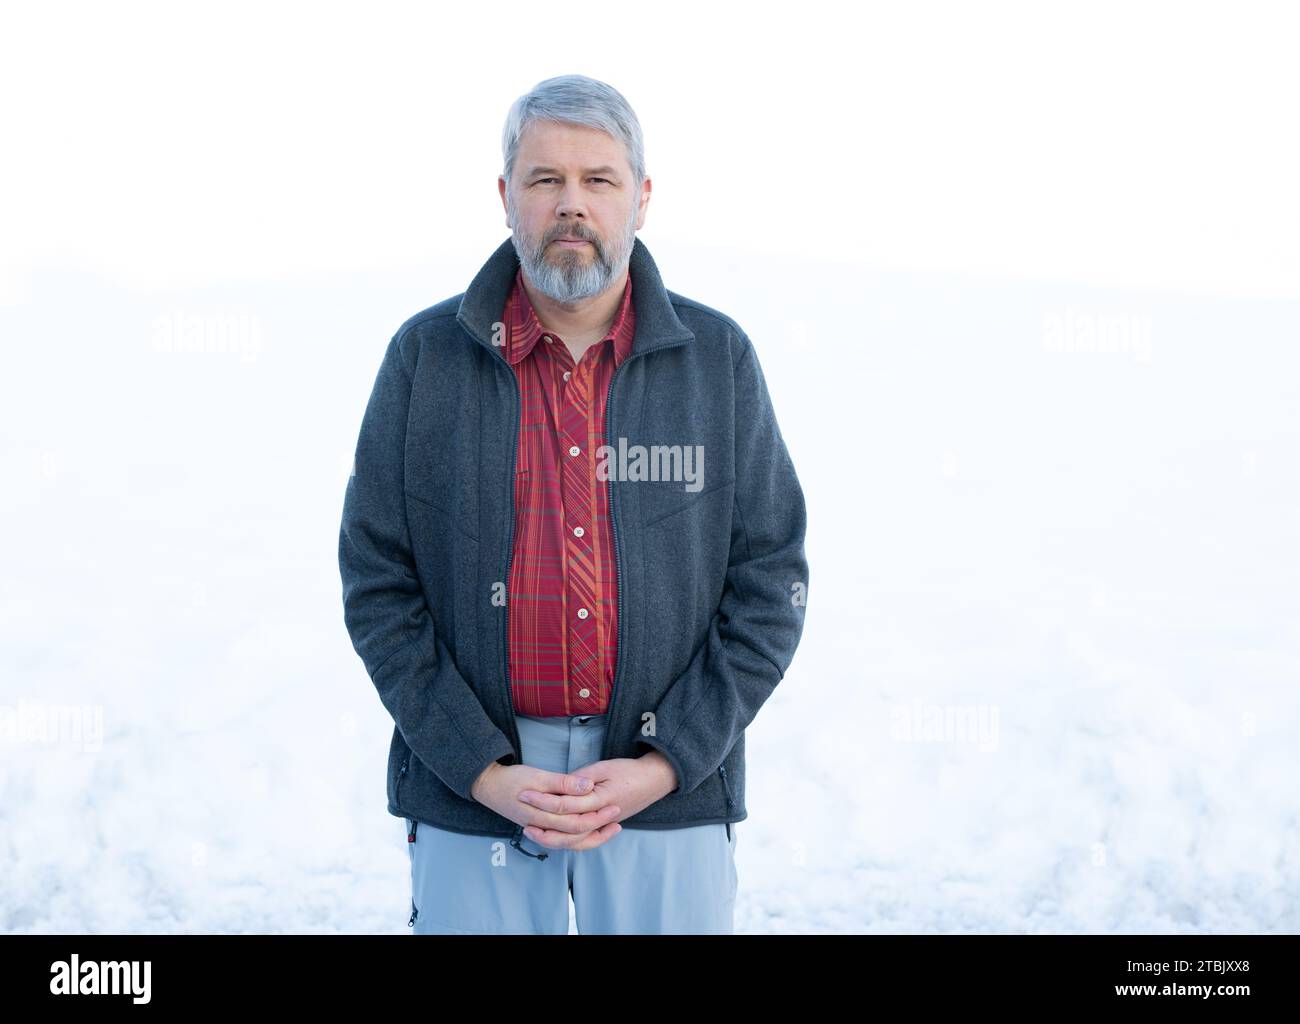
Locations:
column 562, row 595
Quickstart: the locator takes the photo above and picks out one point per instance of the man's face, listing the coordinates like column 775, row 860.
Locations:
column 572, row 183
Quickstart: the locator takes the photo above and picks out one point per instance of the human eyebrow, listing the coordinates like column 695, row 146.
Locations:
column 603, row 170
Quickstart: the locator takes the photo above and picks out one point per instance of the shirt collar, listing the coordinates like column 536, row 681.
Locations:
column 524, row 327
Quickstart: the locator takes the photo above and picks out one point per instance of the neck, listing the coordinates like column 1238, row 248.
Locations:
column 588, row 320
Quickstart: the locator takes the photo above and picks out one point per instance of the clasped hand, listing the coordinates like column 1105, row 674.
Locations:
column 577, row 810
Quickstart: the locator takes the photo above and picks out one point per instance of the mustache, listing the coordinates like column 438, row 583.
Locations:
column 544, row 246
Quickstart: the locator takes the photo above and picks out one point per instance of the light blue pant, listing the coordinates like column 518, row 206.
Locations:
column 641, row 882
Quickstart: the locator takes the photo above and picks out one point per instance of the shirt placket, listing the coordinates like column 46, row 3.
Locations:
column 577, row 493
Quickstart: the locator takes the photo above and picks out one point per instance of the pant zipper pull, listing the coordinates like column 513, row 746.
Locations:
column 515, row 842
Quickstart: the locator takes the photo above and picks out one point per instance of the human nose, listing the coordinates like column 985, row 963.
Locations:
column 571, row 205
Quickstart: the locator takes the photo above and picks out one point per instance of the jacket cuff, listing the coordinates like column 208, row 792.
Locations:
column 654, row 743
column 464, row 784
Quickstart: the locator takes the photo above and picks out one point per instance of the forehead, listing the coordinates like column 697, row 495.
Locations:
column 568, row 146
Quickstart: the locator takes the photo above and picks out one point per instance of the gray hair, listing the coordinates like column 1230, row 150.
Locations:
column 578, row 100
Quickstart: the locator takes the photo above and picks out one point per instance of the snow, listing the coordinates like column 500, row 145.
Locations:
column 1088, row 556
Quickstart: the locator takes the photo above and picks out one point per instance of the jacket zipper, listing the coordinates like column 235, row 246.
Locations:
column 722, row 770
column 510, row 556
column 397, row 791
column 618, row 566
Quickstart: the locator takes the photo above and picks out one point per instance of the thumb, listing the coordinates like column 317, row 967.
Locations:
column 574, row 783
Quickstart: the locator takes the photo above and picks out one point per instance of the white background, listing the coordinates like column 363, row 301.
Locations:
column 921, row 214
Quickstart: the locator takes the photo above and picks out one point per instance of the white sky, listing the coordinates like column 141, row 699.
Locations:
column 1130, row 144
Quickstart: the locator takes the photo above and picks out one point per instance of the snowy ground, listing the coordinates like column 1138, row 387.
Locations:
column 1089, row 555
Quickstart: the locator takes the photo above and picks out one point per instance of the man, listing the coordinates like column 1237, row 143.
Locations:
column 569, row 621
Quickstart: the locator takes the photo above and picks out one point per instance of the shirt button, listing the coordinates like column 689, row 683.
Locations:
column 574, row 449
column 584, row 692
column 578, row 531
column 546, row 338
column 582, row 613
column 567, row 375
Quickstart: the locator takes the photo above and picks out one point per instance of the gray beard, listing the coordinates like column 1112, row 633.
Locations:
column 568, row 277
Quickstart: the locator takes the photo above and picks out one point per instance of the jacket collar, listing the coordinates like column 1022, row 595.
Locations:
column 525, row 329
column 657, row 324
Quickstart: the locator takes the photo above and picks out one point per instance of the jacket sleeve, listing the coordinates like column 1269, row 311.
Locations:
column 752, row 637
column 385, row 610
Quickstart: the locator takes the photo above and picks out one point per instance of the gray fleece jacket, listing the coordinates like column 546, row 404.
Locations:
column 712, row 575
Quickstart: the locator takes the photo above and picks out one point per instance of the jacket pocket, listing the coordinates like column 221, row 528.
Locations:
column 670, row 496
column 401, row 774
column 726, row 786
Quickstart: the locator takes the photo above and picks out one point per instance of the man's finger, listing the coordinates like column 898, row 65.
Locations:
column 564, row 782
column 598, row 836
column 557, row 804
column 570, row 841
column 574, row 824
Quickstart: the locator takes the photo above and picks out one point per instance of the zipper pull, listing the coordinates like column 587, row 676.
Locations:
column 515, row 840
column 410, row 836
column 726, row 786
column 414, row 914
